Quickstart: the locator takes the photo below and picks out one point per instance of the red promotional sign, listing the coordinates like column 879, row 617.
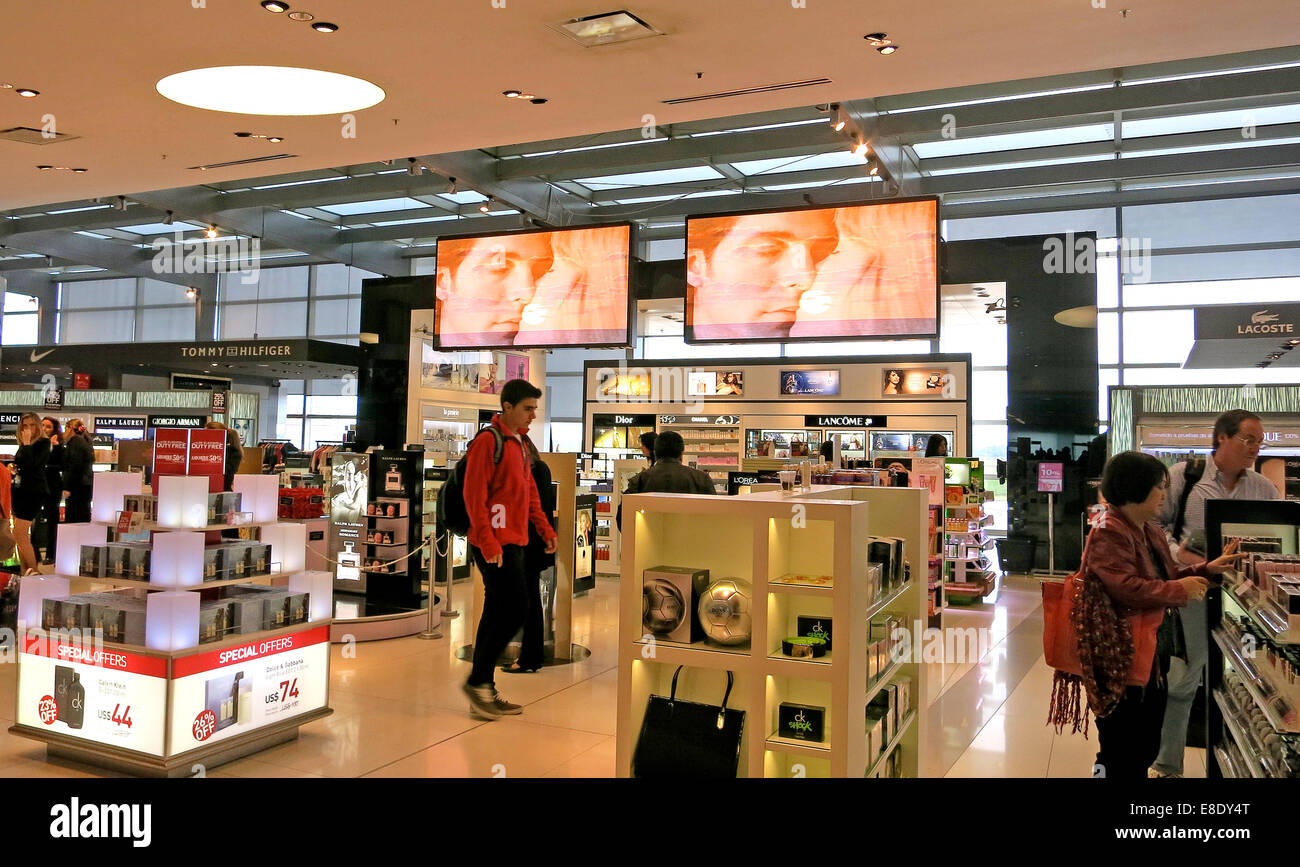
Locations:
column 207, row 455
column 170, row 453
column 81, row 381
column 88, row 653
column 214, row 659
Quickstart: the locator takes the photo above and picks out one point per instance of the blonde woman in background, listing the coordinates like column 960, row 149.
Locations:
column 30, row 486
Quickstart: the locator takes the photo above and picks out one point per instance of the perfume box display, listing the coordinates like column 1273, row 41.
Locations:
column 213, row 617
column 875, row 730
column 259, row 559
column 221, row 505
column 119, row 561
column 670, row 597
column 814, row 627
column 883, row 551
column 221, row 696
column 802, row 722
column 120, row 618
column 247, row 609
column 145, row 505
column 297, row 607
column 94, row 561
column 139, row 557
column 235, row 561
column 212, row 563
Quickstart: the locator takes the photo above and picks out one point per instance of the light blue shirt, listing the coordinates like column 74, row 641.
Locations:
column 1213, row 485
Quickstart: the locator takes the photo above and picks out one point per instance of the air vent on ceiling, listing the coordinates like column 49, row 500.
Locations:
column 225, row 165
column 27, row 135
column 767, row 88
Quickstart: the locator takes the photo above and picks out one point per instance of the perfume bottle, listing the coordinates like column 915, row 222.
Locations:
column 244, row 708
column 348, row 557
column 76, row 703
column 233, row 700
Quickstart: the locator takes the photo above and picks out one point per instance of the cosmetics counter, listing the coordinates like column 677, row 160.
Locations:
column 755, row 589
column 159, row 647
column 1254, row 664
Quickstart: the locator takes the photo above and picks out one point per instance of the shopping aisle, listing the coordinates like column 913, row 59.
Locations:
column 399, row 711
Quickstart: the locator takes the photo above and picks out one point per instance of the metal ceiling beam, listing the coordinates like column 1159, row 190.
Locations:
column 105, row 218
column 308, row 236
column 532, row 196
column 1116, row 170
column 468, row 226
column 607, row 197
column 1115, row 199
column 1185, row 94
column 1207, row 139
column 678, row 153
column 109, row 255
column 348, row 189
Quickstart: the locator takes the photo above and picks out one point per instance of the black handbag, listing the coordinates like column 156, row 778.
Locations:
column 687, row 739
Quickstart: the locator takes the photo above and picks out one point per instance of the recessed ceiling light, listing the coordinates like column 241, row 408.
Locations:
column 191, row 293
column 270, row 90
column 621, row 26
column 887, row 49
column 324, row 27
column 275, row 6
column 539, row 100
column 27, row 92
column 274, row 138
column 301, row 16
column 511, row 94
column 211, row 232
column 526, row 95
column 860, row 149
column 4, row 85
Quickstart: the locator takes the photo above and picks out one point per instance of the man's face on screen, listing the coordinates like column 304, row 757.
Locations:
column 760, row 267
column 492, row 283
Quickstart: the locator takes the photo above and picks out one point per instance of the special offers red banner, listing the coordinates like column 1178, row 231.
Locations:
column 214, row 659
column 89, row 654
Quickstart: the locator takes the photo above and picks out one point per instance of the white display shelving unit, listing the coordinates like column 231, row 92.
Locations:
column 756, row 537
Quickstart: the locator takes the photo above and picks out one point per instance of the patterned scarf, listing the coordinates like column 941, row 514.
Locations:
column 1105, row 646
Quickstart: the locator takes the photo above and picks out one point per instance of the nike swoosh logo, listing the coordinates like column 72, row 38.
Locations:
column 36, row 358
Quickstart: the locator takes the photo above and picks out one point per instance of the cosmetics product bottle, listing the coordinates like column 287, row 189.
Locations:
column 349, row 557
column 77, row 703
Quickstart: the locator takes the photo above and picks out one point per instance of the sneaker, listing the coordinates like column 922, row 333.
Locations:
column 483, row 701
column 1153, row 774
column 504, row 706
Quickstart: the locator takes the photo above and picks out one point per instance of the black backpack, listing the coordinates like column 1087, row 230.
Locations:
column 452, row 514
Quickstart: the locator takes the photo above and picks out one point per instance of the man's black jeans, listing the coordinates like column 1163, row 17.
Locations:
column 505, row 601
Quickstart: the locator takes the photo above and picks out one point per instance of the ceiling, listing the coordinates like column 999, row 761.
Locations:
column 444, row 66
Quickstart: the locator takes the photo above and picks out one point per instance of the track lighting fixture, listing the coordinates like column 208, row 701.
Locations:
column 324, row 27
column 192, row 293
column 210, row 232
column 413, row 167
column 881, row 42
column 860, row 150
column 275, row 6
column 120, row 203
column 486, row 206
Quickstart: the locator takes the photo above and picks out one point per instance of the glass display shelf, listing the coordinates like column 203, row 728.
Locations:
column 892, row 745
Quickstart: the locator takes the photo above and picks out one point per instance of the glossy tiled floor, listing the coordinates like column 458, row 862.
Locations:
column 399, row 711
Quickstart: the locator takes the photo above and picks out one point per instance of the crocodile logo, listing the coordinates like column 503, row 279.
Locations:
column 1263, row 317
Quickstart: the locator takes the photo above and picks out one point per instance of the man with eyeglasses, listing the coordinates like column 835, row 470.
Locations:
column 1229, row 474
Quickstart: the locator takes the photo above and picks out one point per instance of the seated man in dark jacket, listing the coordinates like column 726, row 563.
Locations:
column 668, row 475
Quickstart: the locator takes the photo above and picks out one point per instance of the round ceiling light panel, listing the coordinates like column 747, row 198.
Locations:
column 281, row 91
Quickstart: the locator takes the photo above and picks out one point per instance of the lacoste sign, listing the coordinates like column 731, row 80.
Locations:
column 1247, row 321
column 1266, row 322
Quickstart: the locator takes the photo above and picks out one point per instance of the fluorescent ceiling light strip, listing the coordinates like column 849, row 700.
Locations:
column 1209, row 74
column 1247, row 143
column 1010, row 98
column 617, row 144
column 758, row 128
column 300, row 183
column 77, row 210
column 995, row 167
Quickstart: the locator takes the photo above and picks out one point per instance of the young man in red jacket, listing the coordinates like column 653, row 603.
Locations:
column 502, row 499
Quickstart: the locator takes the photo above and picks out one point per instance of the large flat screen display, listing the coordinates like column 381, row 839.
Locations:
column 856, row 271
column 534, row 289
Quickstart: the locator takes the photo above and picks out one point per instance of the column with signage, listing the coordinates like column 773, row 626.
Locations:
column 1051, row 481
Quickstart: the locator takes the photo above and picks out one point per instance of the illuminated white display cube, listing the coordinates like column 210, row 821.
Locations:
column 108, row 491
column 177, row 560
column 288, row 546
column 260, row 495
column 67, row 551
column 32, row 591
column 320, row 586
column 171, row 620
column 183, row 502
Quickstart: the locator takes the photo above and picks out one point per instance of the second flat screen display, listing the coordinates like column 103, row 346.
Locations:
column 534, row 289
column 837, row 272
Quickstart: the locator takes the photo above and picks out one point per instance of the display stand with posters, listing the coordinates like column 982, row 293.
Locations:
column 559, row 589
column 218, row 652
column 1254, row 620
column 780, row 568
